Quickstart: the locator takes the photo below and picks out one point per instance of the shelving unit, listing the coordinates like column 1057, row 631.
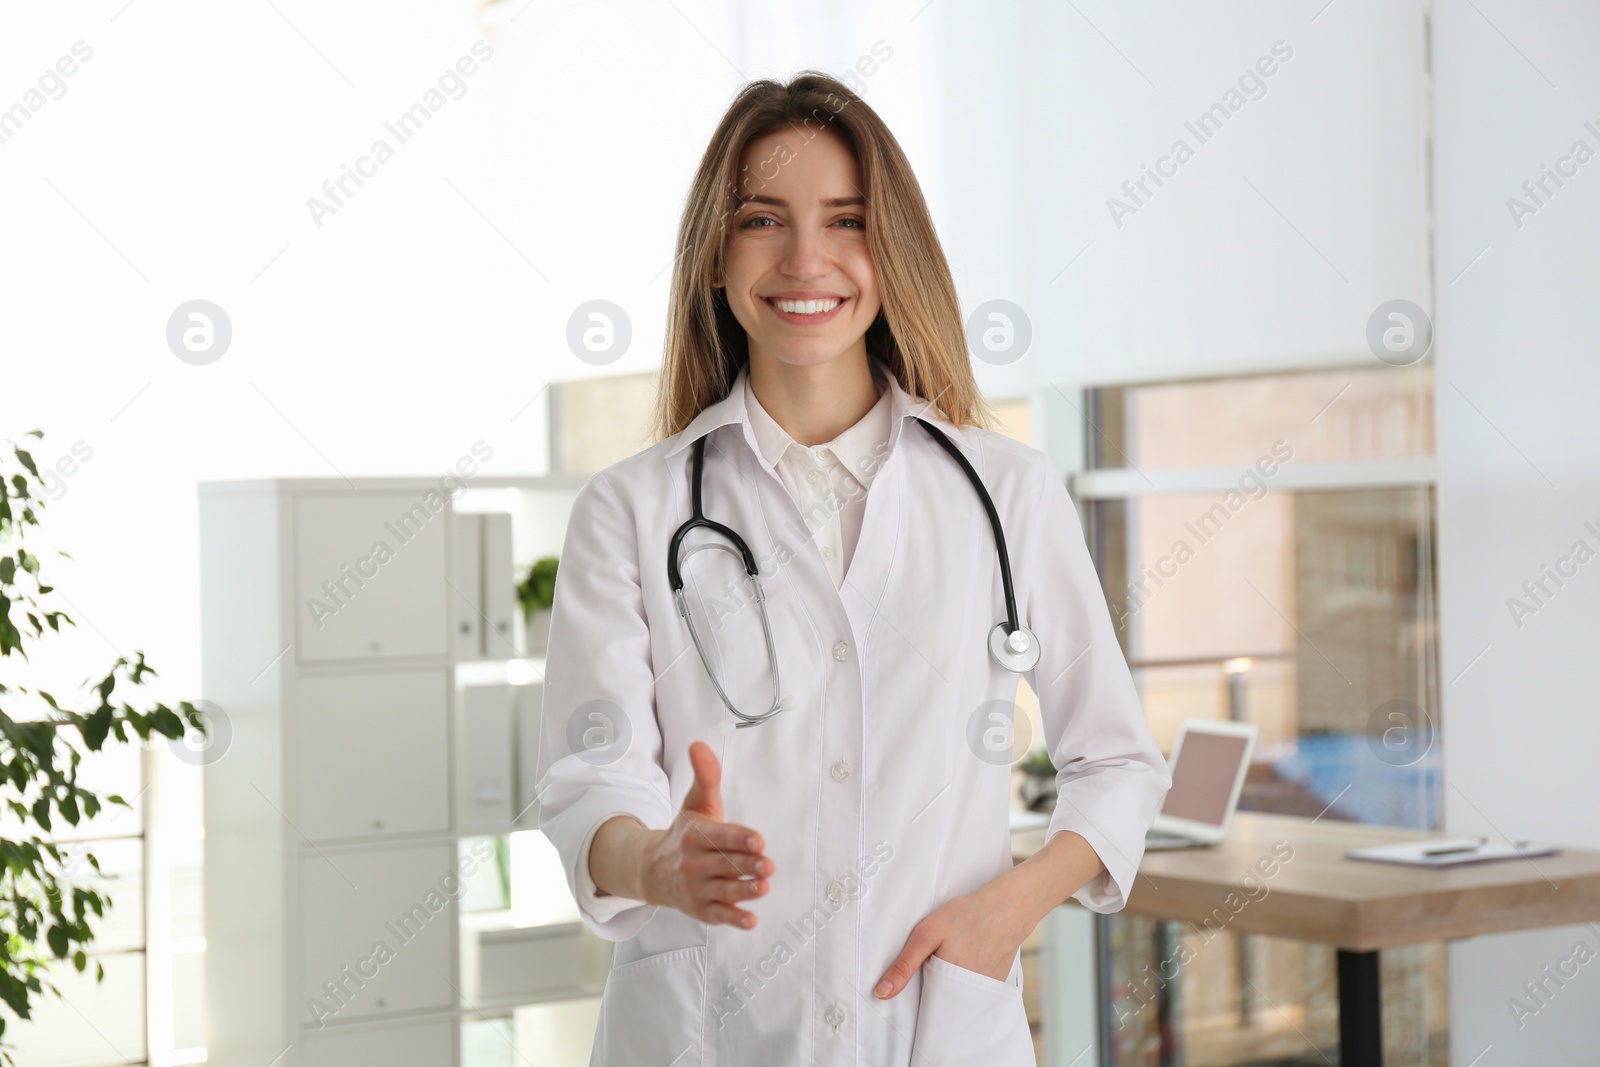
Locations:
column 364, row 645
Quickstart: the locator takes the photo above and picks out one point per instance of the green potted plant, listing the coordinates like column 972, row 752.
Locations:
column 1038, row 785
column 45, row 918
column 536, row 593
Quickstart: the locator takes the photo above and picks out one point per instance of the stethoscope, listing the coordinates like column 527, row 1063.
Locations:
column 1011, row 644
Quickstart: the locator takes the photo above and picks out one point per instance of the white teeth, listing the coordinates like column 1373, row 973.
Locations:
column 806, row 307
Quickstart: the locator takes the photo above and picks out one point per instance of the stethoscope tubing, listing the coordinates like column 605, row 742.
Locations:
column 675, row 576
column 698, row 519
column 1008, row 658
column 994, row 516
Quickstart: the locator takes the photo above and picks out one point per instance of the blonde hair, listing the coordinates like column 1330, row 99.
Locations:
column 917, row 334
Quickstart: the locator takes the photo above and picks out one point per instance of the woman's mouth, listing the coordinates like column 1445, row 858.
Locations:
column 806, row 312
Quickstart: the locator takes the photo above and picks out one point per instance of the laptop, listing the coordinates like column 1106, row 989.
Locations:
column 1208, row 766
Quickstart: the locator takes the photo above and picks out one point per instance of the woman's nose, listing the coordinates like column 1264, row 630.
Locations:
column 805, row 255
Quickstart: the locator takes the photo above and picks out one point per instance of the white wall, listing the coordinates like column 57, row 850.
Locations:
column 1274, row 243
column 1519, row 458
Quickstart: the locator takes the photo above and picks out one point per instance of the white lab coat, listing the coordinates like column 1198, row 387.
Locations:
column 882, row 791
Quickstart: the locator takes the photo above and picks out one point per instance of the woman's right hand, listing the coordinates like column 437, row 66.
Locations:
column 699, row 864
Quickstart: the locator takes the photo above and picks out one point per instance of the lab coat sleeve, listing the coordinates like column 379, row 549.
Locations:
column 1110, row 776
column 600, row 745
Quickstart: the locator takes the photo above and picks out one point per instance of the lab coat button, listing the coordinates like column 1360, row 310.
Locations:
column 813, row 477
column 833, row 1016
column 835, row 893
column 841, row 771
column 827, row 551
column 840, row 650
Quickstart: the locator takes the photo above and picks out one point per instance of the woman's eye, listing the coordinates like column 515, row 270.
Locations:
column 752, row 222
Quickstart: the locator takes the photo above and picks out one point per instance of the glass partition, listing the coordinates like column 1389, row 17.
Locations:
column 1266, row 546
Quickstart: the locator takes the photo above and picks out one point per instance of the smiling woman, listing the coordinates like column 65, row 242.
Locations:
column 711, row 822
column 740, row 228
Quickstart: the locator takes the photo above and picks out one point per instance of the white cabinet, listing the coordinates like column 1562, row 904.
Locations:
column 368, row 575
column 372, row 753
column 330, row 642
column 377, row 932
column 429, row 1044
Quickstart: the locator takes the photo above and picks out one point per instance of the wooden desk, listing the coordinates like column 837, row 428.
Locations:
column 1359, row 907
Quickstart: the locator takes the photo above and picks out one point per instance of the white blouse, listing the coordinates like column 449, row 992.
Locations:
column 828, row 482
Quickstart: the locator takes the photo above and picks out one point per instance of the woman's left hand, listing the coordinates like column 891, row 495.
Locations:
column 980, row 931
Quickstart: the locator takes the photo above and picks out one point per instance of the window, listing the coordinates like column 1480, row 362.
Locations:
column 1266, row 545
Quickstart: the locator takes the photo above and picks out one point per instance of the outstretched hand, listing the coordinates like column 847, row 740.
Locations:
column 700, row 864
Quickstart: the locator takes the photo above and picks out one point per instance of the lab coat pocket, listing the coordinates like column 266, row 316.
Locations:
column 652, row 1011
column 965, row 1017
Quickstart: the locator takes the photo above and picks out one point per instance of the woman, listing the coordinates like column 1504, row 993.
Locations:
column 833, row 882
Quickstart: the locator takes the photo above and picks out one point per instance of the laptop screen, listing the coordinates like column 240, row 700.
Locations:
column 1202, row 779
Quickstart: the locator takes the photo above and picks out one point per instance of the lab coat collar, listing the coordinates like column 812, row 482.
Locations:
column 731, row 410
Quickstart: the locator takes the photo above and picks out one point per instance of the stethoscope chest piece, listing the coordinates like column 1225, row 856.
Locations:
column 1015, row 650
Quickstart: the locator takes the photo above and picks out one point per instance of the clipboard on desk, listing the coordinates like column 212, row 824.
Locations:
column 1450, row 851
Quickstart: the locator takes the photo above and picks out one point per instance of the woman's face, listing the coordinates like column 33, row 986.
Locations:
column 799, row 273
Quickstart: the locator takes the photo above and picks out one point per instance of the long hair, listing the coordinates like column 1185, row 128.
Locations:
column 917, row 333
